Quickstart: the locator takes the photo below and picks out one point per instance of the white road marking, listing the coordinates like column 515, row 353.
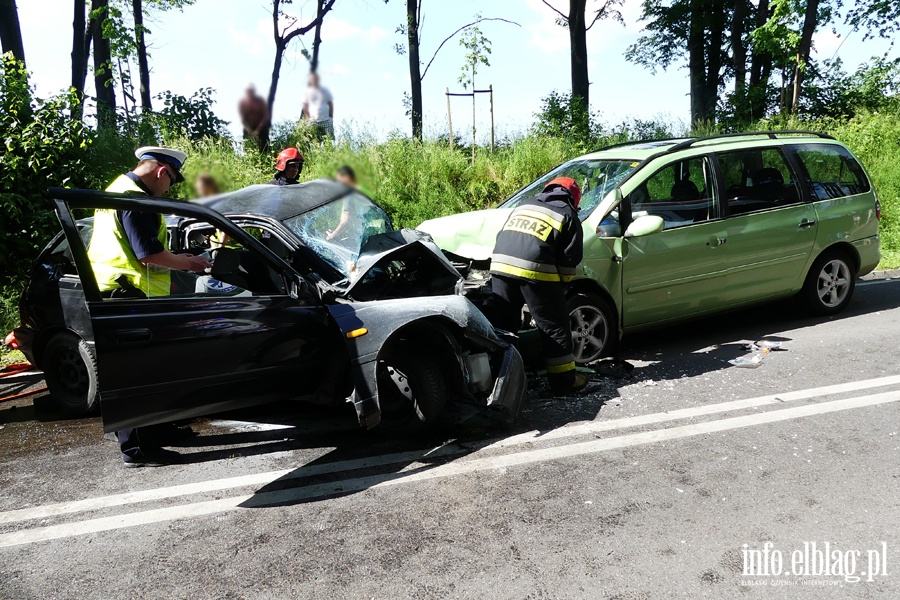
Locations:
column 100, row 502
column 441, row 471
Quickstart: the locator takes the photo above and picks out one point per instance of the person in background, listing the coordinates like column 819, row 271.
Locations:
column 254, row 112
column 126, row 250
column 347, row 176
column 288, row 166
column 318, row 108
column 536, row 252
column 206, row 186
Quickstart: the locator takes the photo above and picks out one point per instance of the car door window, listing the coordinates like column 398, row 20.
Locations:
column 832, row 172
column 237, row 271
column 757, row 179
column 682, row 193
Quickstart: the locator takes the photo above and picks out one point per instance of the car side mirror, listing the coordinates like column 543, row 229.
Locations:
column 645, row 225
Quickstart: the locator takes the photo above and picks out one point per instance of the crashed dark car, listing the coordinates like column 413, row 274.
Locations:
column 312, row 296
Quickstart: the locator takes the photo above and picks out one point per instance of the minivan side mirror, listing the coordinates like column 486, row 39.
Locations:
column 645, row 225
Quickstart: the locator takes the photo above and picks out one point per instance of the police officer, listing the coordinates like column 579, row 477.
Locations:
column 287, row 167
column 536, row 252
column 126, row 252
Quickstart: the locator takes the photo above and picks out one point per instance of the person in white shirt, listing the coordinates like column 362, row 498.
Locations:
column 318, row 107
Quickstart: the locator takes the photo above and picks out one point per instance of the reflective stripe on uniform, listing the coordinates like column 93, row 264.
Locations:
column 499, row 267
column 534, row 212
column 548, row 213
column 566, row 273
column 532, row 222
column 564, row 368
column 524, row 264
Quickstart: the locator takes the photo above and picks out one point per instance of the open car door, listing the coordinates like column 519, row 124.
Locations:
column 210, row 345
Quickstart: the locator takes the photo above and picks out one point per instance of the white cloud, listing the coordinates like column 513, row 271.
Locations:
column 335, row 29
column 826, row 43
column 388, row 76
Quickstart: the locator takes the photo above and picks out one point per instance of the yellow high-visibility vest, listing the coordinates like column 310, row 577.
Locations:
column 111, row 254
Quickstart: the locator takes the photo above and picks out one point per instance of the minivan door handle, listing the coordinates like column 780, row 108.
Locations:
column 715, row 242
column 806, row 223
column 130, row 337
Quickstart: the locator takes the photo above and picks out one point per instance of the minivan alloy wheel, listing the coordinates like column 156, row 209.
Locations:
column 834, row 283
column 589, row 332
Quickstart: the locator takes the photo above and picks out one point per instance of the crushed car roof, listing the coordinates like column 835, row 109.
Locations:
column 278, row 201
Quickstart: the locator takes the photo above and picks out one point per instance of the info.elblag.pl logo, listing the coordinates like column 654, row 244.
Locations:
column 813, row 563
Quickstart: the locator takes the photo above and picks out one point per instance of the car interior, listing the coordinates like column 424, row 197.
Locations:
column 680, row 193
column 757, row 180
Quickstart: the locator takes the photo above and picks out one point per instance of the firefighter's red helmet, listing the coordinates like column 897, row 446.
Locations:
column 568, row 184
column 287, row 155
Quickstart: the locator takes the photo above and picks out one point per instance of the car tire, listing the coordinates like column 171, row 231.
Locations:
column 411, row 392
column 595, row 330
column 70, row 371
column 829, row 284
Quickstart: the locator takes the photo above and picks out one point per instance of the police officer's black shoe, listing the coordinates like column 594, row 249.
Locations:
column 157, row 458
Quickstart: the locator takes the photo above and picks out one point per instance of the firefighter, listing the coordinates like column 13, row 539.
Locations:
column 288, row 166
column 126, row 250
column 535, row 254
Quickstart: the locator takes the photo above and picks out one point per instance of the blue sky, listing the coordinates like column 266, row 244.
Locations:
column 226, row 44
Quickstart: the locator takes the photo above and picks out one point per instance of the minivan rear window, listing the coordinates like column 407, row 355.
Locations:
column 832, row 171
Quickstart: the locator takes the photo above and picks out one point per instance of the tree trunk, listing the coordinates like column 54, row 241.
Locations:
column 739, row 53
column 760, row 69
column 10, row 32
column 697, row 61
column 143, row 65
column 317, row 37
column 809, row 28
column 80, row 47
column 103, row 73
column 415, row 66
column 715, row 36
column 580, row 103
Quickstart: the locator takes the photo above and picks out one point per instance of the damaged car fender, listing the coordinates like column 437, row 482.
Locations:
column 484, row 368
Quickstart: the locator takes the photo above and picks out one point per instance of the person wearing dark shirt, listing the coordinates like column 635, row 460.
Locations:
column 126, row 249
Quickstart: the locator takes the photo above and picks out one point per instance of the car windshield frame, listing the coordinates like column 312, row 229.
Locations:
column 592, row 195
column 364, row 219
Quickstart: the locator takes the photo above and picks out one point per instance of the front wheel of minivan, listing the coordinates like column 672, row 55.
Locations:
column 595, row 331
column 830, row 283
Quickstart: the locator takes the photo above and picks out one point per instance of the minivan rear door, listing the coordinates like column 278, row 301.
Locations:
column 771, row 223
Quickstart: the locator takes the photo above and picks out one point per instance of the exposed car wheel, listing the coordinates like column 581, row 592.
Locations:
column 411, row 392
column 595, row 331
column 830, row 283
column 71, row 373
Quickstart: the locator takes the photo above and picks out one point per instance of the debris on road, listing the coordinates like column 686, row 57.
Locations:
column 757, row 351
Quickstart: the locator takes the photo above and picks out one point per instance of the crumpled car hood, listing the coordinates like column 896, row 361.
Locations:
column 401, row 264
column 470, row 235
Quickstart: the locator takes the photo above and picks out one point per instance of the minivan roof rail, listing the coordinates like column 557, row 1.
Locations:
column 687, row 143
column 770, row 134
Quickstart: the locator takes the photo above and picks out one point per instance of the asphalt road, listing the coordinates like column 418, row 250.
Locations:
column 692, row 479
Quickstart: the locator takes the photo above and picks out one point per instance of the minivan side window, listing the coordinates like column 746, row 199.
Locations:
column 832, row 171
column 682, row 193
column 757, row 179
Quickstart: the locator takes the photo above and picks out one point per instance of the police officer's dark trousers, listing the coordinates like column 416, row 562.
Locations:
column 546, row 302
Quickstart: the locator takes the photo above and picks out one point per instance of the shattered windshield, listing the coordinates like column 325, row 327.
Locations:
column 595, row 177
column 337, row 231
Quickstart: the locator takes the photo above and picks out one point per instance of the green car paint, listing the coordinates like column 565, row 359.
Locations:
column 724, row 259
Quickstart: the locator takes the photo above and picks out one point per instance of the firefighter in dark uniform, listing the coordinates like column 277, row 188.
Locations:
column 536, row 253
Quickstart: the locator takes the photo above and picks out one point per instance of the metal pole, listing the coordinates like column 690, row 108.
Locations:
column 449, row 116
column 491, row 92
column 474, row 95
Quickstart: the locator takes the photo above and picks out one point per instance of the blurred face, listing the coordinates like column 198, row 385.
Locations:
column 346, row 179
column 292, row 170
column 313, row 80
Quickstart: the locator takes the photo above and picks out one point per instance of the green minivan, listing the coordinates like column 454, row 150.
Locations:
column 679, row 228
